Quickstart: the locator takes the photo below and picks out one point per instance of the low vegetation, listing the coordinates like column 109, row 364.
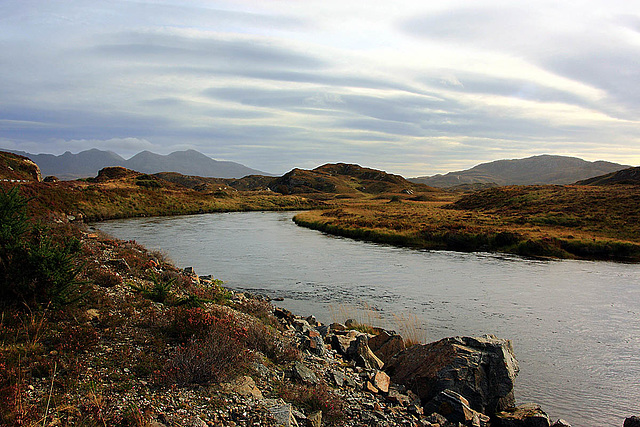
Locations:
column 541, row 221
column 88, row 322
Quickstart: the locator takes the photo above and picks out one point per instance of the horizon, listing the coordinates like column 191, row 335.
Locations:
column 411, row 88
column 322, row 164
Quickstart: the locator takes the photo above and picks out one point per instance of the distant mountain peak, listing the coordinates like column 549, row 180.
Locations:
column 87, row 164
column 540, row 169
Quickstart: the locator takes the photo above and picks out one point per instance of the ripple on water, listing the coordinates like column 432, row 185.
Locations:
column 574, row 324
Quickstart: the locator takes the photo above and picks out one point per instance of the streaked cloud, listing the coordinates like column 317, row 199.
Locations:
column 411, row 87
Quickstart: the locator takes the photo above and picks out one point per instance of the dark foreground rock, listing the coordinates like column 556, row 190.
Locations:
column 482, row 370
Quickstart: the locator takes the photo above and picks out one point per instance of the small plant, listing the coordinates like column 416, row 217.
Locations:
column 34, row 269
column 160, row 291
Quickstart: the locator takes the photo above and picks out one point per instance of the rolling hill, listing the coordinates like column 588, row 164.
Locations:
column 624, row 176
column 543, row 169
column 345, row 179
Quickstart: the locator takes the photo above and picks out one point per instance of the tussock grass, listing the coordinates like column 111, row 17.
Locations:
column 537, row 221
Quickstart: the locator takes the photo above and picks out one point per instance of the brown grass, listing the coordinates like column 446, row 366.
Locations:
column 547, row 221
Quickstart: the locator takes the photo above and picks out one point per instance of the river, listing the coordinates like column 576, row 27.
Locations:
column 575, row 325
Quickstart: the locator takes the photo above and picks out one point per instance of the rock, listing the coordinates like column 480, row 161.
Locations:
column 119, row 263
column 455, row 409
column 337, row 327
column 282, row 313
column 283, row 415
column 398, row 398
column 386, row 344
column 436, row 418
column 341, row 343
column 93, row 314
column 350, row 323
column 482, row 370
column 197, row 422
column 244, row 386
column 632, row 422
column 338, row 378
column 315, row 419
column 527, row 415
column 188, row 271
column 360, row 352
column 563, row 423
column 303, row 374
column 368, row 386
column 314, row 343
column 381, row 381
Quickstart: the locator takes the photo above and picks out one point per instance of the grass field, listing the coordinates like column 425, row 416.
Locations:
column 542, row 221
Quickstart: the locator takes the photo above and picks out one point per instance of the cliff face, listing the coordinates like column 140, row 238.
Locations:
column 14, row 167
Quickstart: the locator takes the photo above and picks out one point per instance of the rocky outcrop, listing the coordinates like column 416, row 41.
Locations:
column 632, row 422
column 386, row 344
column 527, row 415
column 482, row 370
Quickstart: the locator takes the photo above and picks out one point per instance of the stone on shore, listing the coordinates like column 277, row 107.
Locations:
column 455, row 409
column 527, row 415
column 482, row 370
column 386, row 344
column 360, row 352
column 632, row 422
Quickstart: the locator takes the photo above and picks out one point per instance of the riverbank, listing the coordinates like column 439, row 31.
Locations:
column 563, row 222
column 146, row 343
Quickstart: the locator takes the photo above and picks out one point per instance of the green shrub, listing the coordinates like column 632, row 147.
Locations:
column 34, row 268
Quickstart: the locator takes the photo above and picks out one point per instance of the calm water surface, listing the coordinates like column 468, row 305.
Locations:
column 575, row 325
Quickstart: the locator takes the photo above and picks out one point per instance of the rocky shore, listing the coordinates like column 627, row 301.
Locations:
column 152, row 345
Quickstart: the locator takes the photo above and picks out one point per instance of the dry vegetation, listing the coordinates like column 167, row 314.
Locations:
column 545, row 221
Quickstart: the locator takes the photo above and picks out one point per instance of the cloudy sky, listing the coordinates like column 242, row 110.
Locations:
column 410, row 87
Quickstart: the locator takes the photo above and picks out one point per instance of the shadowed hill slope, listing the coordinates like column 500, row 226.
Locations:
column 626, row 176
column 544, row 169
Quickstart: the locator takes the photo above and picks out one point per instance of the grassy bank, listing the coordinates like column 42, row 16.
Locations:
column 111, row 200
column 548, row 221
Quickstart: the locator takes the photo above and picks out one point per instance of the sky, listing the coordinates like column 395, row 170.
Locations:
column 411, row 87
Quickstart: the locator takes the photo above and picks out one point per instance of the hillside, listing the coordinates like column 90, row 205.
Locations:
column 536, row 170
column 344, row 179
column 87, row 163
column 625, row 176
column 14, row 167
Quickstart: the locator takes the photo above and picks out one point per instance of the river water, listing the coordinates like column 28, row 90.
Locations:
column 575, row 325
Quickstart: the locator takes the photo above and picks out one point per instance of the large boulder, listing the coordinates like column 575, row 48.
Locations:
column 527, row 415
column 455, row 409
column 482, row 370
column 386, row 344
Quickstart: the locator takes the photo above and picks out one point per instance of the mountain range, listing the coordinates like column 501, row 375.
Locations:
column 87, row 163
column 543, row 169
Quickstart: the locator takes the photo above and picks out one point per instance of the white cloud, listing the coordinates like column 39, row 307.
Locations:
column 284, row 83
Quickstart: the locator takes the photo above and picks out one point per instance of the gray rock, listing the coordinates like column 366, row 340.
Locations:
column 455, row 409
column 283, row 415
column 527, row 415
column 563, row 423
column 341, row 343
column 338, row 378
column 303, row 374
column 360, row 352
column 482, row 370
